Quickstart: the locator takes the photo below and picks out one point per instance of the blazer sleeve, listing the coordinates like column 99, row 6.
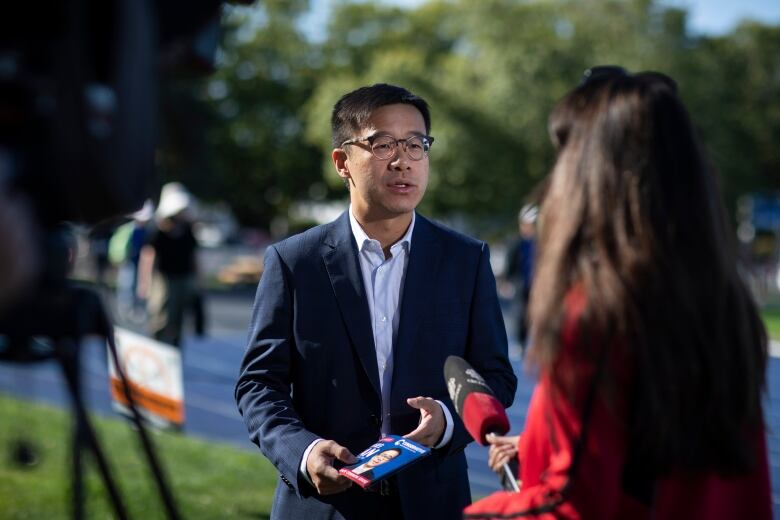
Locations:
column 486, row 349
column 263, row 388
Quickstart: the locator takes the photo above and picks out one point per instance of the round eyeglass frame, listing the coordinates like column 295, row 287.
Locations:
column 426, row 139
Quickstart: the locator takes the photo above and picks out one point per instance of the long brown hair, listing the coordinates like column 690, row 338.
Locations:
column 633, row 216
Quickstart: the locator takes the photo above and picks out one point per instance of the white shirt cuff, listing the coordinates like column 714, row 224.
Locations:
column 305, row 457
column 448, row 428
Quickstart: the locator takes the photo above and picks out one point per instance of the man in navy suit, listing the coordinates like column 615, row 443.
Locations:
column 353, row 321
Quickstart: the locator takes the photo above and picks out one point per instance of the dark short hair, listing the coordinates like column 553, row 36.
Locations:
column 351, row 112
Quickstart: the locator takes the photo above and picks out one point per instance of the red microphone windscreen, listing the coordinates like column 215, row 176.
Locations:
column 483, row 414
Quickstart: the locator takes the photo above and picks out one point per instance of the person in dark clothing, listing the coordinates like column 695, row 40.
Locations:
column 353, row 322
column 125, row 251
column 520, row 268
column 167, row 270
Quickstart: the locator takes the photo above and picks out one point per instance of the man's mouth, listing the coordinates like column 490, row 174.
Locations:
column 401, row 184
column 401, row 187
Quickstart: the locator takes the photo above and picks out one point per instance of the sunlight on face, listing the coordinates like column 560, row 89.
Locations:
column 381, row 458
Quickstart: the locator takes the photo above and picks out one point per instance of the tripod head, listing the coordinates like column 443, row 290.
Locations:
column 69, row 312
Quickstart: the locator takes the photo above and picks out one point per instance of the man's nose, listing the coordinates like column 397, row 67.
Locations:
column 400, row 160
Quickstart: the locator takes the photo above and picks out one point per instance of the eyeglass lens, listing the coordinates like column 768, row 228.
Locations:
column 416, row 147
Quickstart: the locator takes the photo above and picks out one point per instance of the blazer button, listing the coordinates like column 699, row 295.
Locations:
column 375, row 420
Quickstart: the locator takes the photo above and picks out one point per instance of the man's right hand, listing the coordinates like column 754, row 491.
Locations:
column 326, row 478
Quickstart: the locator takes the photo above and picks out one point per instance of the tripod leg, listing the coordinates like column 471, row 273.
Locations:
column 77, row 493
column 154, row 464
column 69, row 361
column 105, row 328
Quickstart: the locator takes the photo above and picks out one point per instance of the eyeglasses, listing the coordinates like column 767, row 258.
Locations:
column 384, row 146
column 603, row 72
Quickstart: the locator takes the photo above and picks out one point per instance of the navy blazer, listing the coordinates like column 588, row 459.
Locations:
column 310, row 368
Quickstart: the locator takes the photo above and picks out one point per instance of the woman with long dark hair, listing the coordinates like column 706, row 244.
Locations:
column 650, row 351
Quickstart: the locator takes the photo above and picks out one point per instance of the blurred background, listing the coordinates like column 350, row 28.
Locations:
column 251, row 140
column 245, row 128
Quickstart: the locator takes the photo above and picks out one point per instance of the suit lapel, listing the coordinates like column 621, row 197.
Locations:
column 418, row 289
column 341, row 262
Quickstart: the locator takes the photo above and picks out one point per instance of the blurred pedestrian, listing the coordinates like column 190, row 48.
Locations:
column 167, row 267
column 124, row 251
column 520, row 268
column 650, row 349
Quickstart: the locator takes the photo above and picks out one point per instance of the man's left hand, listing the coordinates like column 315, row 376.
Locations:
column 432, row 422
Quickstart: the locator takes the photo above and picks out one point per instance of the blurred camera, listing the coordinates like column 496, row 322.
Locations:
column 78, row 110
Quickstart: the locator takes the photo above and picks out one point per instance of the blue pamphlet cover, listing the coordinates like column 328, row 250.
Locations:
column 384, row 458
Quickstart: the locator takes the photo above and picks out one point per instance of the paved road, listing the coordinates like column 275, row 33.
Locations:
column 210, row 369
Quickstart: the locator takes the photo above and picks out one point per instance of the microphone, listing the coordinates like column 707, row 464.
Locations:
column 477, row 406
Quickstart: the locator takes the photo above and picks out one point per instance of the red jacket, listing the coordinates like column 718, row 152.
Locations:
column 595, row 491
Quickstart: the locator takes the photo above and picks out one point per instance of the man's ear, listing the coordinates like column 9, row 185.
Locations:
column 340, row 159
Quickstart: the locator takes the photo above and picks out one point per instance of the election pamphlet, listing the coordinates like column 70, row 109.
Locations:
column 386, row 457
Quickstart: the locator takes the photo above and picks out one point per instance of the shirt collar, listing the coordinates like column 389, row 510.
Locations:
column 361, row 237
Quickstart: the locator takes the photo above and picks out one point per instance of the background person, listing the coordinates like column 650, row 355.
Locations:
column 125, row 252
column 353, row 321
column 651, row 352
column 520, row 269
column 168, row 268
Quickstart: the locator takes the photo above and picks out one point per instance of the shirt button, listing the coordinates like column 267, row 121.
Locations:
column 383, row 319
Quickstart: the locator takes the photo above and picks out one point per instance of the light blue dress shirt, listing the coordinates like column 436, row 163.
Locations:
column 383, row 279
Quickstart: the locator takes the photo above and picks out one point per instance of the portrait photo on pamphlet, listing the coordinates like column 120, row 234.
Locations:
column 386, row 457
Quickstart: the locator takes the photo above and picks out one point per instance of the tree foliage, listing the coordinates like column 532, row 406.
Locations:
column 491, row 70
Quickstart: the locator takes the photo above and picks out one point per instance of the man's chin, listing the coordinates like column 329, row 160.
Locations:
column 404, row 207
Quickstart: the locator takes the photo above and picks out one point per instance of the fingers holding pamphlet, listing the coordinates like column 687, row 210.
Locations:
column 384, row 458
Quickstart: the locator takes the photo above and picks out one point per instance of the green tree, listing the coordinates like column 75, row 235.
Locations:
column 237, row 134
column 266, row 75
column 492, row 71
column 734, row 94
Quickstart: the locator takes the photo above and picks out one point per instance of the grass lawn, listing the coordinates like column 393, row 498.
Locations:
column 771, row 315
column 209, row 480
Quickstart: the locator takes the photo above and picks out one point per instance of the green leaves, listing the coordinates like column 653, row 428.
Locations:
column 491, row 70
